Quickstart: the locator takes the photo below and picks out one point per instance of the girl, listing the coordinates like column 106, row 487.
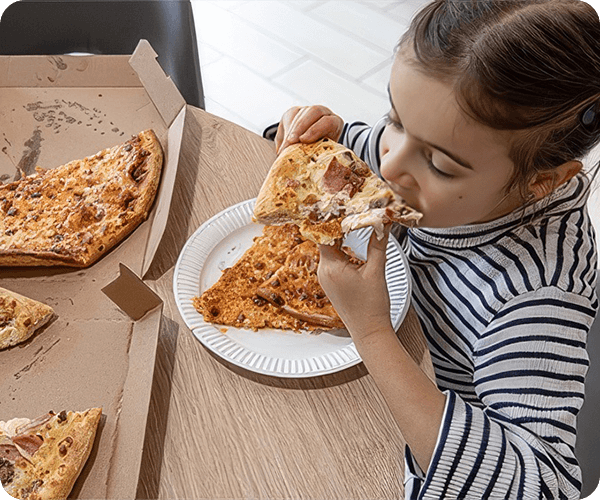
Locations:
column 493, row 104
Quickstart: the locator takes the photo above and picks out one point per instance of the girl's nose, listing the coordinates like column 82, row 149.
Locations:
column 395, row 165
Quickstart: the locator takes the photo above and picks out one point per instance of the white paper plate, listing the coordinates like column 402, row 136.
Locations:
column 218, row 244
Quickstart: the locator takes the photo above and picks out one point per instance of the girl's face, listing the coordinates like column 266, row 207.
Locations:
column 443, row 163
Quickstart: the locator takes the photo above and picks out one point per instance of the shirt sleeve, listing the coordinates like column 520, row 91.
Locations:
column 529, row 372
column 364, row 141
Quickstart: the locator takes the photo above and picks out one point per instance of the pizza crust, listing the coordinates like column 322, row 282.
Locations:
column 20, row 317
column 73, row 214
column 50, row 453
column 326, row 190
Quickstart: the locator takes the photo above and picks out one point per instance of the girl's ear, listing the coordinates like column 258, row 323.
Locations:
column 548, row 180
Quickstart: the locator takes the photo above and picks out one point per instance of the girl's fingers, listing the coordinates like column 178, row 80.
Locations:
column 309, row 124
column 284, row 127
column 294, row 124
column 377, row 249
column 326, row 126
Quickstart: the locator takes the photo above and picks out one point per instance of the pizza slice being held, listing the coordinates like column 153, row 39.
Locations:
column 20, row 317
column 328, row 191
column 73, row 214
column 41, row 459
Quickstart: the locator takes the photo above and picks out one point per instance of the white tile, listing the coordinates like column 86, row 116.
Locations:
column 304, row 5
column 317, row 85
column 404, row 11
column 362, row 20
column 244, row 93
column 225, row 4
column 379, row 80
column 207, row 54
column 224, row 31
column 296, row 29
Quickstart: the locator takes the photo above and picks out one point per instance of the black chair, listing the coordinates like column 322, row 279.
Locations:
column 109, row 27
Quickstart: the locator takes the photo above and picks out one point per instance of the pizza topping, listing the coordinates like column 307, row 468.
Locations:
column 7, row 471
column 64, row 445
column 9, row 452
column 28, row 442
column 32, row 425
column 338, row 177
column 62, row 417
column 32, row 488
column 314, row 318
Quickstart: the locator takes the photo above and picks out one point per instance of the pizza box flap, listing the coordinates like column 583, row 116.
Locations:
column 172, row 107
column 162, row 90
column 131, row 294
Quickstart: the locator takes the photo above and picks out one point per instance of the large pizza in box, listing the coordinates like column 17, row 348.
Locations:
column 73, row 214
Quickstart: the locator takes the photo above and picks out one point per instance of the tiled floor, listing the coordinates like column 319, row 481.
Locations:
column 260, row 57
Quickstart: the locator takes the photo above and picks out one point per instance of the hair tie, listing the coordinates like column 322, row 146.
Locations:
column 589, row 115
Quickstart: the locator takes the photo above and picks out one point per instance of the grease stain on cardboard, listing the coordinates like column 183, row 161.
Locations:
column 28, row 161
column 60, row 114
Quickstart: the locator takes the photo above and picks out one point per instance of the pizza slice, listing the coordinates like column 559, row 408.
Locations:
column 328, row 191
column 249, row 295
column 73, row 214
column 41, row 459
column 20, row 317
column 296, row 290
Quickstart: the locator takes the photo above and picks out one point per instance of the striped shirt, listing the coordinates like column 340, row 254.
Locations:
column 506, row 307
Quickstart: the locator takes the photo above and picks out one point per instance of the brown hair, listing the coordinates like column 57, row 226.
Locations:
column 532, row 66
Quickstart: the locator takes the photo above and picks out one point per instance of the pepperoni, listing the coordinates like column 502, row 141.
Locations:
column 29, row 442
column 337, row 177
column 9, row 452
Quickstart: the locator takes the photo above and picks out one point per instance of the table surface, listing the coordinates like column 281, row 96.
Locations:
column 217, row 431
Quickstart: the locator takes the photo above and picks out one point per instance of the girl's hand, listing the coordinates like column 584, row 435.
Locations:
column 307, row 124
column 358, row 293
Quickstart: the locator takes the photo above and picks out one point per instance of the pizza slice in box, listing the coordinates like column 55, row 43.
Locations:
column 328, row 191
column 41, row 459
column 273, row 285
column 73, row 214
column 20, row 317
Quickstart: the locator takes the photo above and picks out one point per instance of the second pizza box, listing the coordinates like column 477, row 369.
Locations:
column 99, row 351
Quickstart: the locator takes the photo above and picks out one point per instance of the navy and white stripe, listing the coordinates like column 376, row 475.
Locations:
column 506, row 307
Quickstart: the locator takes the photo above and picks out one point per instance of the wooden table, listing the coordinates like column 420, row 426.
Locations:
column 216, row 431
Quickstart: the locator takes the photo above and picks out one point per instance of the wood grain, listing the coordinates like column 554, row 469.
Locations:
column 218, row 431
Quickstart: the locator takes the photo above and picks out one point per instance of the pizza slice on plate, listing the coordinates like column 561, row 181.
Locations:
column 273, row 285
column 327, row 191
column 20, row 317
column 41, row 459
column 73, row 214
column 296, row 290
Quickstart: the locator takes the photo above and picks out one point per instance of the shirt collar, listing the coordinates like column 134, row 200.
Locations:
column 566, row 198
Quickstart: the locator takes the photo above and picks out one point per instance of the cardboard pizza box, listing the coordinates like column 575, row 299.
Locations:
column 101, row 348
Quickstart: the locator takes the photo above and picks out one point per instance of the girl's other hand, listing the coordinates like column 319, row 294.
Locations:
column 307, row 124
column 359, row 294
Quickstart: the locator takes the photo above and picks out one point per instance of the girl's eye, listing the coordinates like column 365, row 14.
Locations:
column 392, row 121
column 437, row 171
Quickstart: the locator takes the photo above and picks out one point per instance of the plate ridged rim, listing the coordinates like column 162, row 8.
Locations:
column 186, row 284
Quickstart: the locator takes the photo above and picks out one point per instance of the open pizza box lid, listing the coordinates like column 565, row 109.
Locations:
column 100, row 349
